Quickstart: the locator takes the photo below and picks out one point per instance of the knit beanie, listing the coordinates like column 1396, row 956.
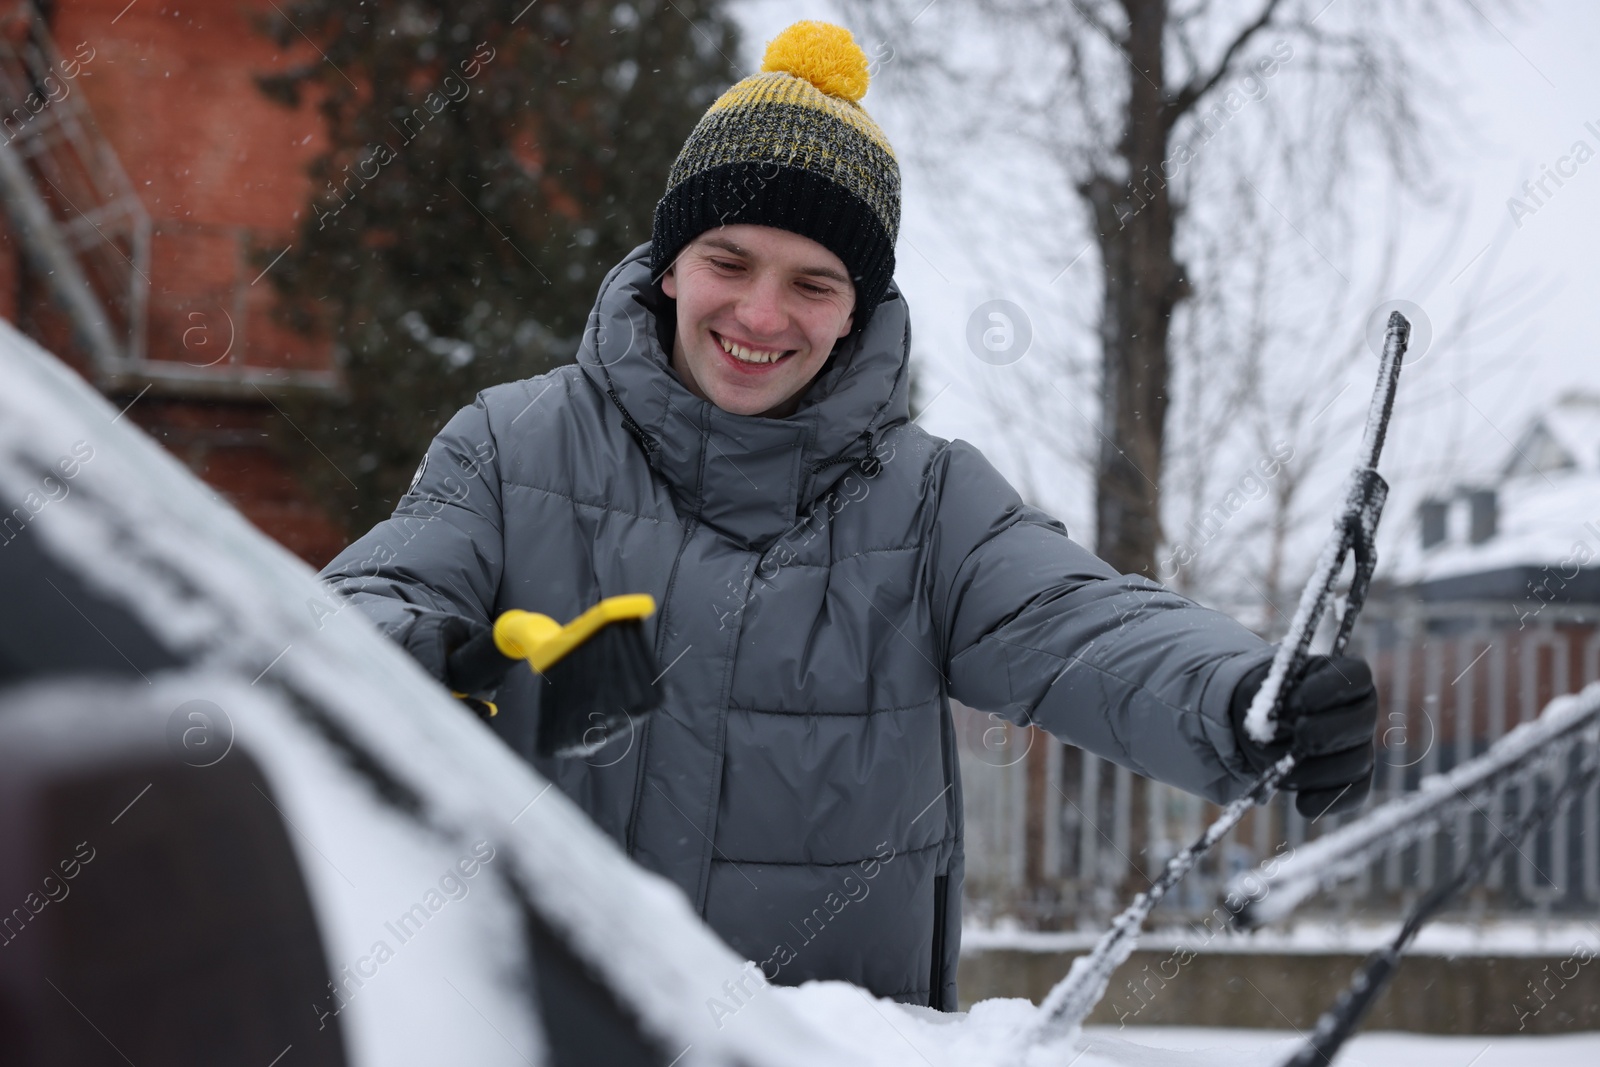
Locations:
column 792, row 148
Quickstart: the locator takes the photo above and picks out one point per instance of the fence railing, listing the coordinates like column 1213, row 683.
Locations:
column 1059, row 838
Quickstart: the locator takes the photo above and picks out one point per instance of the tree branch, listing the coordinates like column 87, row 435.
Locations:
column 1198, row 87
column 1099, row 24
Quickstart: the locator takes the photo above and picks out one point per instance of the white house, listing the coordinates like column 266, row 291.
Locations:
column 1528, row 531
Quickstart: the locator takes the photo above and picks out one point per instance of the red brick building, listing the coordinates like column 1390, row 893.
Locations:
column 148, row 184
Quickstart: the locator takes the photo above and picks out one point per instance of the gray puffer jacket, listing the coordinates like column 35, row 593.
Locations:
column 825, row 584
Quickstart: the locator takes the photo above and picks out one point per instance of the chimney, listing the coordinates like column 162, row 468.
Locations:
column 1485, row 506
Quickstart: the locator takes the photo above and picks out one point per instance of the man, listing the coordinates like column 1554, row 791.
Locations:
column 734, row 439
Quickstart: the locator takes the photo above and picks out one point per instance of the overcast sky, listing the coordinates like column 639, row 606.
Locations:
column 1529, row 84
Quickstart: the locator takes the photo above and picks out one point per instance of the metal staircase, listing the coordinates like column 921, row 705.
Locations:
column 70, row 202
column 88, row 235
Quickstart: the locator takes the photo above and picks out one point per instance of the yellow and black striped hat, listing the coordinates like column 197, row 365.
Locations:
column 791, row 147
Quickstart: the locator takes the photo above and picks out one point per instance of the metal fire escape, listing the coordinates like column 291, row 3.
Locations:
column 85, row 230
column 71, row 204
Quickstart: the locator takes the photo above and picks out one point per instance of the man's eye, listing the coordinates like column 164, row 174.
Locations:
column 722, row 264
column 817, row 289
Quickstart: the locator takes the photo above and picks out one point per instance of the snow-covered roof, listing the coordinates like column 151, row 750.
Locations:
column 1567, row 437
column 1543, row 522
column 1547, row 500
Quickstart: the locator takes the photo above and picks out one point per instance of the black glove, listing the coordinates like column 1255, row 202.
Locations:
column 433, row 636
column 1328, row 722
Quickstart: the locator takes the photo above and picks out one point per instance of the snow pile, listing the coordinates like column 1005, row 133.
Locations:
column 898, row 1036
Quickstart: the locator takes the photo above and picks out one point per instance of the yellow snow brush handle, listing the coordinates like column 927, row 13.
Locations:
column 542, row 641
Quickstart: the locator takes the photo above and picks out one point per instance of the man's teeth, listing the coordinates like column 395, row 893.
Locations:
column 748, row 355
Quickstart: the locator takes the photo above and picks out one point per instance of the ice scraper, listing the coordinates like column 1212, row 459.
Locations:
column 595, row 673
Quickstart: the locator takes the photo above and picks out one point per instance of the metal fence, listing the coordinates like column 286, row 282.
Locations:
column 1058, row 838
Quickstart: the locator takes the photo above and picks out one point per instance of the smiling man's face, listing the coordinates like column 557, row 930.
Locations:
column 759, row 310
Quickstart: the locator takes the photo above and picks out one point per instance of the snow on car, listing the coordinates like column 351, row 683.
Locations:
column 455, row 908
column 237, row 824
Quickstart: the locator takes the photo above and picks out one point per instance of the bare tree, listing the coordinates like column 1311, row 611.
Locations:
column 1127, row 101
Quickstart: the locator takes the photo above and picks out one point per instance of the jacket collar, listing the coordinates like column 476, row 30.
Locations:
column 749, row 477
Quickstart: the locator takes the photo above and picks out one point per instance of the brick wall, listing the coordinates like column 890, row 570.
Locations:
column 221, row 171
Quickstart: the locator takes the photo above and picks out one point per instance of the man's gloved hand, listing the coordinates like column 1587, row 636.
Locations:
column 433, row 635
column 1328, row 722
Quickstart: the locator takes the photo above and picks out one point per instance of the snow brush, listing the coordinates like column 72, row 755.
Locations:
column 595, row 673
column 1075, row 996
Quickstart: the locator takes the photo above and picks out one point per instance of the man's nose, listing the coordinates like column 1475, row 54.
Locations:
column 761, row 311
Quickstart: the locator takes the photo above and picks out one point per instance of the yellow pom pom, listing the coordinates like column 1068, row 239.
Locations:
column 823, row 54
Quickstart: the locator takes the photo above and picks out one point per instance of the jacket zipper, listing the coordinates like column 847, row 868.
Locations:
column 661, row 639
column 936, row 973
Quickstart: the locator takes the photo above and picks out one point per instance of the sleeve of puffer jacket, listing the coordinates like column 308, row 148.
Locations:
column 443, row 548
column 1040, row 630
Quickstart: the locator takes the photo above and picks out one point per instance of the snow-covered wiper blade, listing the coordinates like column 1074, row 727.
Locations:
column 1075, row 996
column 1275, row 889
column 1568, row 722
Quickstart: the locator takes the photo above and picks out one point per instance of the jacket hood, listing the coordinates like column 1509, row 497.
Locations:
column 748, row 476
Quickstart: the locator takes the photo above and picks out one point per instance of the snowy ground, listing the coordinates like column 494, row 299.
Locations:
column 1238, row 1048
column 1523, row 937
column 891, row 1035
